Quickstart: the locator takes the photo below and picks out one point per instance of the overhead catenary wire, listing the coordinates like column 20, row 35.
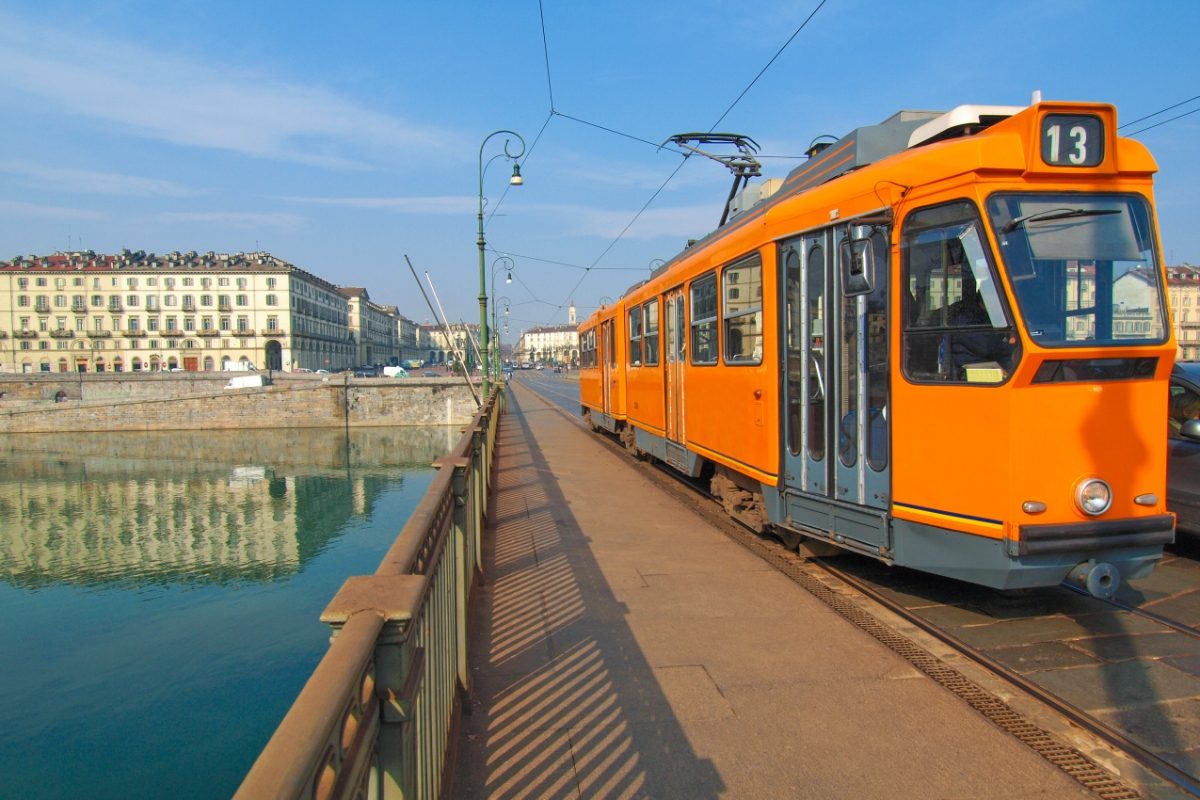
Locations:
column 1160, row 111
column 659, row 190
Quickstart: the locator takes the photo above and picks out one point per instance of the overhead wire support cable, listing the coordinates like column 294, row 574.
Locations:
column 1164, row 122
column 546, row 55
column 1160, row 111
column 768, row 66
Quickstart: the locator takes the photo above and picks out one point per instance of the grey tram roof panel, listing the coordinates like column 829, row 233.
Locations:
column 866, row 145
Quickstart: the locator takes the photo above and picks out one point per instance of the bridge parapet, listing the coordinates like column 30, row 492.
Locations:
column 374, row 720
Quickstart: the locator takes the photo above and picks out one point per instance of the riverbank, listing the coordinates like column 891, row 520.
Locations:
column 200, row 401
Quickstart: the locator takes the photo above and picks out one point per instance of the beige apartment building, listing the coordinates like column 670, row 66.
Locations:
column 373, row 328
column 1183, row 292
column 139, row 312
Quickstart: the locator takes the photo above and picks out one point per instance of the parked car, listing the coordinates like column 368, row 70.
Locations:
column 429, row 374
column 1183, row 449
column 366, row 371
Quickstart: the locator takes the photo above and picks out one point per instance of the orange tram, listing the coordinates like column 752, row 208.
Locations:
column 942, row 341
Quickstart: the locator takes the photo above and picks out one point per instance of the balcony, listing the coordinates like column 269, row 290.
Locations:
column 210, row 333
column 42, row 308
column 273, row 332
column 62, row 334
column 99, row 334
column 243, row 334
column 115, row 306
column 224, row 308
column 133, row 334
column 25, row 334
column 3, row 334
column 79, row 308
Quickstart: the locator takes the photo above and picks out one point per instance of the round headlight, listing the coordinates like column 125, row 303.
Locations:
column 1093, row 496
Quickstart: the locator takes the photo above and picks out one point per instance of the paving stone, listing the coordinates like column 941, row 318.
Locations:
column 1041, row 656
column 1168, row 727
column 1124, row 685
column 1053, row 629
column 1146, row 645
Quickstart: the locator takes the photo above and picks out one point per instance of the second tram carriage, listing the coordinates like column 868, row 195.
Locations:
column 943, row 341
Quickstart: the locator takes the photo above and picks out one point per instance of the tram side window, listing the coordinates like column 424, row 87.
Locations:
column 650, row 340
column 741, row 288
column 704, row 319
column 635, row 336
column 956, row 322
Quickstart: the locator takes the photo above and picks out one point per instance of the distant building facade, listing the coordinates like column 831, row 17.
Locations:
column 138, row 312
column 552, row 344
column 372, row 327
column 442, row 346
column 1183, row 291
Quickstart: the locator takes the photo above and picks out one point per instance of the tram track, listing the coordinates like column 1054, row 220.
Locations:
column 1086, row 759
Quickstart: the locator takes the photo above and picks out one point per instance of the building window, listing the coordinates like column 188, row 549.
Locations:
column 188, row 282
column 272, row 300
column 132, row 300
column 60, row 301
column 189, row 323
column 206, row 299
column 23, row 301
column 241, row 299
column 270, row 283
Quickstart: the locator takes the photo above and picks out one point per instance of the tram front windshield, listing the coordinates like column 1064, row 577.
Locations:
column 1082, row 267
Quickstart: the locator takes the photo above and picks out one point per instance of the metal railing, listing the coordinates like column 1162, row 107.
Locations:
column 374, row 719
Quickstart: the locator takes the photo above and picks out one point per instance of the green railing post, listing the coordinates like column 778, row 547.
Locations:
column 400, row 670
column 464, row 520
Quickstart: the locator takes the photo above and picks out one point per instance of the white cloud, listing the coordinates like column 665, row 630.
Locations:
column 446, row 205
column 19, row 209
column 203, row 104
column 89, row 182
column 234, row 219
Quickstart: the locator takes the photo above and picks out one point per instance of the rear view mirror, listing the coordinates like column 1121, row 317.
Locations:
column 858, row 266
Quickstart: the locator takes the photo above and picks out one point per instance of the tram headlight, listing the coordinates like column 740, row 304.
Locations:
column 1093, row 496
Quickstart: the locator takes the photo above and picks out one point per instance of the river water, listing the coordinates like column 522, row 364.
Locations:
column 160, row 594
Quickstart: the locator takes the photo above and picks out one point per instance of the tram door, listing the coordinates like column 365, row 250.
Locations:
column 837, row 440
column 674, row 331
column 608, row 363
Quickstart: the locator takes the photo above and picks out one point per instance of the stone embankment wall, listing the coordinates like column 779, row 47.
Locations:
column 198, row 403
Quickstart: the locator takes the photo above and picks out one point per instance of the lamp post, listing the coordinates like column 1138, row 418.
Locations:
column 515, row 180
column 496, row 330
column 507, row 279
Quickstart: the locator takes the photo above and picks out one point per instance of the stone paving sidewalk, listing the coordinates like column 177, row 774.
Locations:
column 623, row 648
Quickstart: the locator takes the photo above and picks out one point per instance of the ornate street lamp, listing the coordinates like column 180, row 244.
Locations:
column 515, row 180
column 507, row 279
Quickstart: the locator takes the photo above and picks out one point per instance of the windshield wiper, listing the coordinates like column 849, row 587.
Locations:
column 1057, row 213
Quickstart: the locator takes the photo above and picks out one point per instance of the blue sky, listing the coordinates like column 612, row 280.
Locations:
column 342, row 136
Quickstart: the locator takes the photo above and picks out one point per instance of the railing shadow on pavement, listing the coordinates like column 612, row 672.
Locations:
column 375, row 718
column 564, row 703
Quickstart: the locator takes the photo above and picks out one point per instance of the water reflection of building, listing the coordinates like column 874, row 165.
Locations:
column 141, row 512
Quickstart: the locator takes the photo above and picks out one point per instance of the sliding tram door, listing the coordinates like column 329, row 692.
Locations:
column 836, row 432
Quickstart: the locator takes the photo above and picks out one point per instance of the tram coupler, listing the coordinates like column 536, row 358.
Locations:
column 1098, row 579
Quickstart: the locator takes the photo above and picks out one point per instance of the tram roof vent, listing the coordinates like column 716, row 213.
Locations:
column 961, row 121
column 857, row 149
column 752, row 195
